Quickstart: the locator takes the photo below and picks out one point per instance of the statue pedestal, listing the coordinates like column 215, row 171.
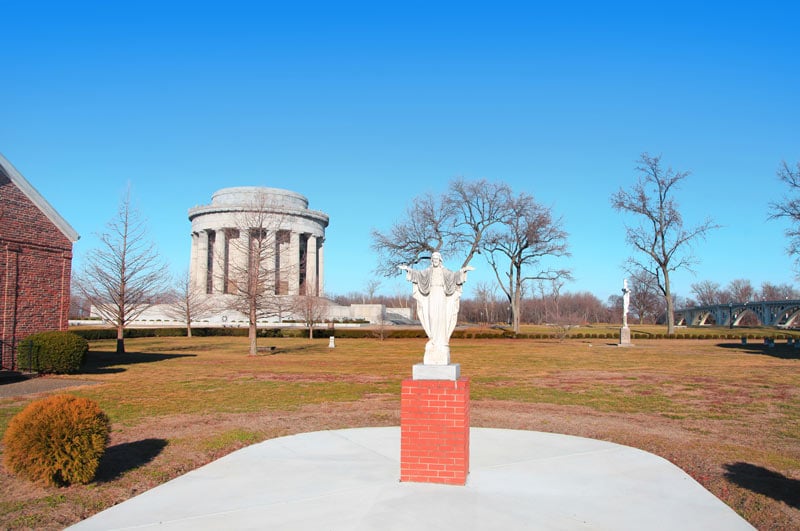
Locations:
column 624, row 336
column 434, row 431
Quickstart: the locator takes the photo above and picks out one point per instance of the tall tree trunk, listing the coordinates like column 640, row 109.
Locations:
column 670, row 305
column 516, row 306
column 252, row 331
column 251, row 336
column 120, row 339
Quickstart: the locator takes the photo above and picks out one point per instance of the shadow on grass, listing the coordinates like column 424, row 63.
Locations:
column 268, row 350
column 782, row 351
column 106, row 362
column 121, row 458
column 766, row 482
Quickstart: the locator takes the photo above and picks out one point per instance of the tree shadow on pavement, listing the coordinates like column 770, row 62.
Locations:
column 764, row 481
column 121, row 458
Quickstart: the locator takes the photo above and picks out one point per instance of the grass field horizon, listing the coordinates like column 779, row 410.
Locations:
column 725, row 412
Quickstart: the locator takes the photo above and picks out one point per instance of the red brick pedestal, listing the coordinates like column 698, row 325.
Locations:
column 434, row 431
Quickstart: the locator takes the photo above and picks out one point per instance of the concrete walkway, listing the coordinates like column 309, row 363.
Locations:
column 348, row 479
column 13, row 384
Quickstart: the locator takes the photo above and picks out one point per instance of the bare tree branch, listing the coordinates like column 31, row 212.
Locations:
column 789, row 208
column 453, row 223
column 425, row 229
column 477, row 207
column 660, row 233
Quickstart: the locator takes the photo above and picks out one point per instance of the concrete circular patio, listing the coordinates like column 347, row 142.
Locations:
column 349, row 480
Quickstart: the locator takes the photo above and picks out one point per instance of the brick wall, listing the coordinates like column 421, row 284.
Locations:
column 35, row 268
column 434, row 431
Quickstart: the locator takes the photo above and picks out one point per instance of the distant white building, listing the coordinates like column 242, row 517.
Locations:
column 158, row 315
column 220, row 234
column 220, row 245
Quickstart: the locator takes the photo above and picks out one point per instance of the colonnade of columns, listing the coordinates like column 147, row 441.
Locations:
column 293, row 261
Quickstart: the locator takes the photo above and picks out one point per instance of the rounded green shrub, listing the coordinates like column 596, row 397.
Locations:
column 52, row 352
column 57, row 440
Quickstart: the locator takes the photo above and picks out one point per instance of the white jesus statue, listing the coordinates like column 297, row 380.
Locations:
column 437, row 291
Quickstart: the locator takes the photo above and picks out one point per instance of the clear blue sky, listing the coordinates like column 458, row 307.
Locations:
column 363, row 106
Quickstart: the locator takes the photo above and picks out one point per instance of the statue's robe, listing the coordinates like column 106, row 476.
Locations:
column 437, row 291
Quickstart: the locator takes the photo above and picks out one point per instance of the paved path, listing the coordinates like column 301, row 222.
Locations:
column 11, row 387
column 348, row 480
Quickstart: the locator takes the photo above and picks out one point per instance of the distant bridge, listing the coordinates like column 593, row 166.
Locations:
column 783, row 314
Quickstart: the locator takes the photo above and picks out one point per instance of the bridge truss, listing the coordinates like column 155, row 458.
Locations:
column 781, row 314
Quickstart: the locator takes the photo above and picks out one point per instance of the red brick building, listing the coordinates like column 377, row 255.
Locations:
column 35, row 263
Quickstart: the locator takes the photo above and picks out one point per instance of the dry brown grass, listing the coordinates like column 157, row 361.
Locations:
column 728, row 414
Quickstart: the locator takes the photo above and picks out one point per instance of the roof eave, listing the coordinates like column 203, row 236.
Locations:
column 37, row 199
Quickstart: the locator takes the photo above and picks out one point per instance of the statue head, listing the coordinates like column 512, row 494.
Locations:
column 436, row 259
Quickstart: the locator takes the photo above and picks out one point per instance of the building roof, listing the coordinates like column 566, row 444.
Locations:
column 7, row 169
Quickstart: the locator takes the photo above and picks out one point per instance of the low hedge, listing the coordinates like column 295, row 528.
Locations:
column 390, row 332
column 55, row 352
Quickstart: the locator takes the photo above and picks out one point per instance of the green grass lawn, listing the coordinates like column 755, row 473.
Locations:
column 727, row 413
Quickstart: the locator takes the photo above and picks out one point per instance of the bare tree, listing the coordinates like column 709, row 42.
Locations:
column 454, row 222
column 486, row 298
column 614, row 307
column 790, row 207
column 740, row 290
column 582, row 307
column 371, row 290
column 254, row 279
column 552, row 306
column 188, row 303
column 659, row 234
column 311, row 309
column 707, row 293
column 553, row 301
column 516, row 248
column 123, row 276
column 776, row 292
column 79, row 306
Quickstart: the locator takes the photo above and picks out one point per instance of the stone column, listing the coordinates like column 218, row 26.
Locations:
column 193, row 283
column 271, row 261
column 321, row 267
column 294, row 263
column 220, row 261
column 281, row 267
column 311, row 266
column 241, row 260
column 202, row 261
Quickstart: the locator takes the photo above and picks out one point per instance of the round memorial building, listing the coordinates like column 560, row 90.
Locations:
column 250, row 225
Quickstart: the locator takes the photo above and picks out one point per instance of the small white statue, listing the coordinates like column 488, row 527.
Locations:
column 437, row 291
column 626, row 302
